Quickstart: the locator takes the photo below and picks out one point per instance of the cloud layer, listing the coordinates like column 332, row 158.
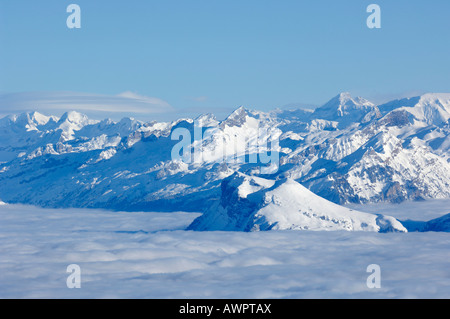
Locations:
column 114, row 106
column 148, row 255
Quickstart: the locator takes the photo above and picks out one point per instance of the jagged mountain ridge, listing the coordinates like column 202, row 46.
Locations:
column 349, row 150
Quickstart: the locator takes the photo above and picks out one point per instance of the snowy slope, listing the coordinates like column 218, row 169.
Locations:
column 431, row 108
column 255, row 204
column 347, row 110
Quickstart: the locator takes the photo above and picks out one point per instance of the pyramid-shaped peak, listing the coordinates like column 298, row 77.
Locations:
column 238, row 112
column 345, row 109
column 346, row 98
column 345, row 95
column 237, row 117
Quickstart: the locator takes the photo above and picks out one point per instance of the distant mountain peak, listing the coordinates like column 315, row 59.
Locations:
column 237, row 117
column 206, row 120
column 255, row 204
column 30, row 120
column 39, row 118
column 346, row 100
column 74, row 117
column 429, row 108
column 240, row 111
column 345, row 109
column 73, row 121
column 343, row 96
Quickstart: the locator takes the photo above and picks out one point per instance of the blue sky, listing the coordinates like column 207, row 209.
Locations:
column 205, row 55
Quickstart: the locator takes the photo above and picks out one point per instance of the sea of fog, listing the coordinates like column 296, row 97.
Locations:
column 149, row 255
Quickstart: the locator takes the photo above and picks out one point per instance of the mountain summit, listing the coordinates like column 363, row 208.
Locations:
column 255, row 204
column 346, row 110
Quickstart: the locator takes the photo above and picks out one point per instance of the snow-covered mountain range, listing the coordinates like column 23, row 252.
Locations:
column 347, row 151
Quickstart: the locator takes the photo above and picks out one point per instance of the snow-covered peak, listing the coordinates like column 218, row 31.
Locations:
column 206, row 120
column 433, row 108
column 237, row 117
column 345, row 109
column 342, row 99
column 430, row 108
column 129, row 123
column 29, row 120
column 74, row 117
column 344, row 103
column 41, row 119
column 292, row 206
column 73, row 121
column 250, row 204
column 442, row 97
column 246, row 185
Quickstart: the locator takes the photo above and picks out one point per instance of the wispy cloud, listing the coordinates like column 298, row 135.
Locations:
column 129, row 103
